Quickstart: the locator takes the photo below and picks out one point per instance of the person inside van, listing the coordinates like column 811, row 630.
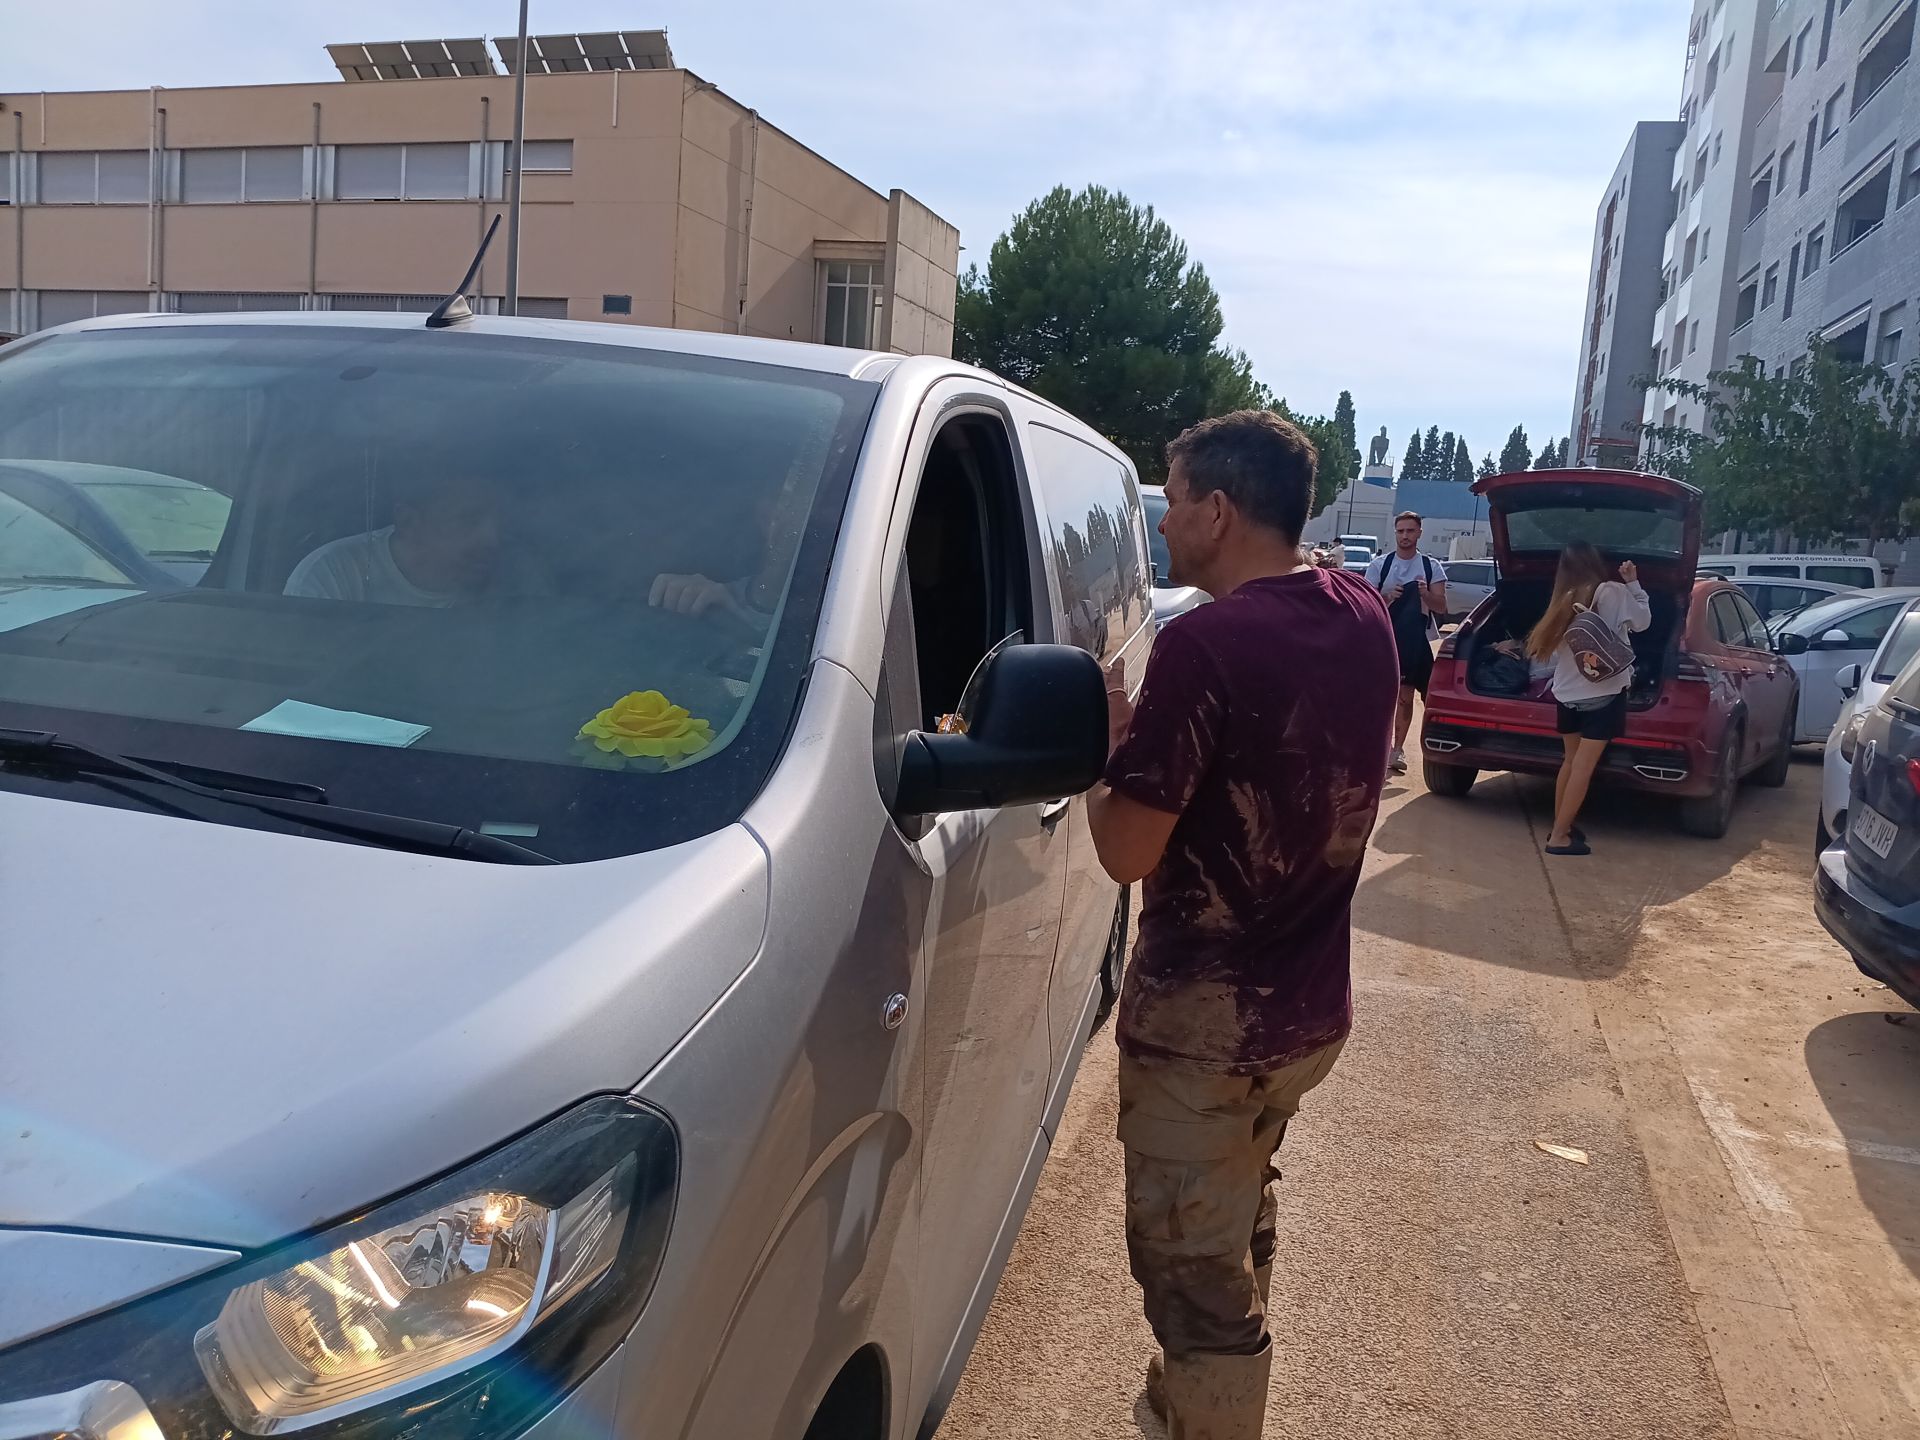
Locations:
column 443, row 546
column 1583, row 634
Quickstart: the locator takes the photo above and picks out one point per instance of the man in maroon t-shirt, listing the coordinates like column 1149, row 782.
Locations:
column 1242, row 791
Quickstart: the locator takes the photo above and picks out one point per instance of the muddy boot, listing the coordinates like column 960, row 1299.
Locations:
column 1157, row 1386
column 1217, row 1397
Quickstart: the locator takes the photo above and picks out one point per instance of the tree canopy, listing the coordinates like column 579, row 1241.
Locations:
column 1517, row 453
column 1092, row 301
column 1828, row 451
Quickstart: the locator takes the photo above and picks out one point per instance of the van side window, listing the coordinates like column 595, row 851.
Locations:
column 1861, row 577
column 1776, row 572
column 1094, row 530
column 967, row 569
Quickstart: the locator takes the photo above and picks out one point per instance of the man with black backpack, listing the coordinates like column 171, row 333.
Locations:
column 1415, row 589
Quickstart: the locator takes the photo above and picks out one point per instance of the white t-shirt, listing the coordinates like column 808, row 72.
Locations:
column 361, row 568
column 1625, row 607
column 1389, row 570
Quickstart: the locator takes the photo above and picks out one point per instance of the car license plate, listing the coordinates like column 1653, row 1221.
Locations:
column 1874, row 831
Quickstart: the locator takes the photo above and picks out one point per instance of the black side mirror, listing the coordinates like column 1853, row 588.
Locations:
column 1787, row 643
column 1036, row 729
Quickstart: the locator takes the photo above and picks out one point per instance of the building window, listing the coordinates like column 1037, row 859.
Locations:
column 264, row 172
column 385, row 304
column 1713, row 74
column 221, row 302
column 1826, row 34
column 1800, row 46
column 1849, row 346
column 95, row 177
column 1793, row 281
column 1700, row 168
column 1690, row 258
column 1761, row 195
column 1806, row 160
column 1863, row 211
column 59, row 307
column 1746, row 305
column 1717, row 137
column 1893, row 328
column 1706, row 243
column 851, row 296
column 1830, row 121
column 1798, row 368
column 1770, row 287
column 6, row 180
column 1886, row 59
column 1910, row 175
column 1816, row 251
column 547, row 157
column 403, row 172
column 1693, row 337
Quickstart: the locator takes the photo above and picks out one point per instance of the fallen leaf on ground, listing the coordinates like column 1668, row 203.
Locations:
column 1565, row 1152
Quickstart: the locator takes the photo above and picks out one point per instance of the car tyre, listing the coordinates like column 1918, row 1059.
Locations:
column 1711, row 816
column 1779, row 767
column 1452, row 781
column 1114, row 965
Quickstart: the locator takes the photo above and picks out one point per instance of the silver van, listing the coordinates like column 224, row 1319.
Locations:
column 567, row 916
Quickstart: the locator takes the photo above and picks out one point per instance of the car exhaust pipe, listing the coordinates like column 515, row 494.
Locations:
column 1443, row 747
column 1665, row 774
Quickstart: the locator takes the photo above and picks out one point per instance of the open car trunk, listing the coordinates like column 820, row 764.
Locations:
column 1492, row 666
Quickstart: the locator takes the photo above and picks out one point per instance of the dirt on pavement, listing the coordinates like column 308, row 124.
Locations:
column 1741, row 1256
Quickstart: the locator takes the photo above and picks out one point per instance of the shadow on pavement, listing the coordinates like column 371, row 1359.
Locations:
column 1470, row 880
column 1868, row 1074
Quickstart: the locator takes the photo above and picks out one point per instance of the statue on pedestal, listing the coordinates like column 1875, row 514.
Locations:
column 1379, row 449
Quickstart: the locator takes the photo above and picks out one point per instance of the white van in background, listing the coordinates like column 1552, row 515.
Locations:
column 1858, row 572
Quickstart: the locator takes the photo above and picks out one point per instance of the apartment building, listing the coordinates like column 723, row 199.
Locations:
column 1831, row 246
column 649, row 197
column 1623, row 292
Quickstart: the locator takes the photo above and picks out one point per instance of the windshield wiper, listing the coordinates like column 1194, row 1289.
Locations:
column 46, row 750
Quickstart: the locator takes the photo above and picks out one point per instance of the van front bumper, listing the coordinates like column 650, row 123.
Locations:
column 1883, row 938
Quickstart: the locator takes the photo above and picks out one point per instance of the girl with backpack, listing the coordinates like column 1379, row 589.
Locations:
column 1584, row 635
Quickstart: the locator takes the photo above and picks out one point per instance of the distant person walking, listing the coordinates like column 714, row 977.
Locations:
column 1584, row 636
column 1415, row 589
column 1242, row 791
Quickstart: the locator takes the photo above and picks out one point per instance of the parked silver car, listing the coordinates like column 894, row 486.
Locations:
column 1860, row 688
column 598, row 935
column 1826, row 638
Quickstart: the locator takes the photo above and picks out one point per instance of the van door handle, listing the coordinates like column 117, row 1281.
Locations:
column 1052, row 812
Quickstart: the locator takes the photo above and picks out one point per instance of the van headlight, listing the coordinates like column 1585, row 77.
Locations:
column 466, row 1308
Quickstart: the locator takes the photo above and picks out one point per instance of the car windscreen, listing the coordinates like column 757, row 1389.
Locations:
column 1901, row 645
column 1623, row 530
column 552, row 590
column 1814, row 621
column 1155, row 505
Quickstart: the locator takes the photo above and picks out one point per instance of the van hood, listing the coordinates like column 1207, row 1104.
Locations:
column 227, row 1036
column 1649, row 519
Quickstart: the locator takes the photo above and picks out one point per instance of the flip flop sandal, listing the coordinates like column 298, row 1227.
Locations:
column 1578, row 847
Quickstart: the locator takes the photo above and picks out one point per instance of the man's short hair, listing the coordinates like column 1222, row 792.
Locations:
column 1264, row 464
column 1413, row 515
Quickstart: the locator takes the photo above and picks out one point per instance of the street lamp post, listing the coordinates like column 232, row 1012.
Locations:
column 512, row 304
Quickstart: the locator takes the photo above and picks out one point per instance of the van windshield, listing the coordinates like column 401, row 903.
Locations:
column 552, row 590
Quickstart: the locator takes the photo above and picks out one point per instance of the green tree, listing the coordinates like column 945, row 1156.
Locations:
column 1462, row 464
column 1566, row 448
column 1092, row 301
column 1547, row 457
column 1443, row 458
column 1488, row 467
column 1410, row 462
column 1516, row 454
column 1347, row 424
column 1430, row 462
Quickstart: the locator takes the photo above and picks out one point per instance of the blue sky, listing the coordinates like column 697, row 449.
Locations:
column 1394, row 197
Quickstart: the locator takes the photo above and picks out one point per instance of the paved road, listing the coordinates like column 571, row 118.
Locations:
column 1740, row 1259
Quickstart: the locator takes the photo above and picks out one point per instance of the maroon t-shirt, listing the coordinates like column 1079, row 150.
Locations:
column 1264, row 724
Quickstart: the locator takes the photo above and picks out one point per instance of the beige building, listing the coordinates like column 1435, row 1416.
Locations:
column 650, row 198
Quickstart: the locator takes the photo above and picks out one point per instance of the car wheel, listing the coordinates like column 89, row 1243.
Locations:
column 1452, row 781
column 1776, row 771
column 1114, row 965
column 1711, row 816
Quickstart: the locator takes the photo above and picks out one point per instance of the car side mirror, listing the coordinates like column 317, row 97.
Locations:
column 1848, row 680
column 1787, row 643
column 1835, row 640
column 1035, row 729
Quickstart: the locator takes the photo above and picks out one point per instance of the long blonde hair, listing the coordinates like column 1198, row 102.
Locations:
column 1582, row 571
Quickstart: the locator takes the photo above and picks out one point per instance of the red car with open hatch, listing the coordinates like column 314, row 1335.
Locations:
column 1712, row 704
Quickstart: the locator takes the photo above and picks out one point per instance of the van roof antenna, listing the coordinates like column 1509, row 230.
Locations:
column 455, row 310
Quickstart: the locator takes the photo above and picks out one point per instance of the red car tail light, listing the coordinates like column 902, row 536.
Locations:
column 1448, row 647
column 1913, row 775
column 1692, row 669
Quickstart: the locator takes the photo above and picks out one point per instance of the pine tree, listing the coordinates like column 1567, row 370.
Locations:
column 1566, row 448
column 1488, row 467
column 1410, row 464
column 1443, row 457
column 1462, row 463
column 1430, row 463
column 1548, row 457
column 1344, row 424
column 1517, row 453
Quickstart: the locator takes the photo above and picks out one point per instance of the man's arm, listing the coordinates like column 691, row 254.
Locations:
column 1129, row 837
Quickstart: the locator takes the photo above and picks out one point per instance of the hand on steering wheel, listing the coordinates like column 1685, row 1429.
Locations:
column 694, row 595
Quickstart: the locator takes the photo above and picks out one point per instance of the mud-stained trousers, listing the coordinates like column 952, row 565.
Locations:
column 1200, row 1229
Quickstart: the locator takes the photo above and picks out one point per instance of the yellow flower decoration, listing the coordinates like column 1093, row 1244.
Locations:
column 647, row 724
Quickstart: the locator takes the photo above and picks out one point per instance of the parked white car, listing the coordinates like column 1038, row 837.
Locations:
column 1860, row 688
column 1777, row 600
column 1825, row 639
column 1468, row 583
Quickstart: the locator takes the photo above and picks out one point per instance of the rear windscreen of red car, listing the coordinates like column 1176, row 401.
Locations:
column 1641, row 530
